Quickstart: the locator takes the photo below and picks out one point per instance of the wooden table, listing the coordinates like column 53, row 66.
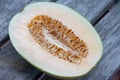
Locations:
column 103, row 14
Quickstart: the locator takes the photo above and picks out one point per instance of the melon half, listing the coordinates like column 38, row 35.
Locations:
column 55, row 39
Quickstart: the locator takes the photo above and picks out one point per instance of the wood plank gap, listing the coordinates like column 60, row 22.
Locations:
column 53, row 0
column 116, row 1
column 115, row 73
column 4, row 40
column 103, row 14
column 40, row 78
column 37, row 76
column 5, row 45
column 100, row 17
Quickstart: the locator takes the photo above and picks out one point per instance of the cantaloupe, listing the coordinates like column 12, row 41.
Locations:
column 55, row 39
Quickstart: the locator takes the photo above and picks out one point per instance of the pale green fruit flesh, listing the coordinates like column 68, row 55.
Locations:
column 40, row 58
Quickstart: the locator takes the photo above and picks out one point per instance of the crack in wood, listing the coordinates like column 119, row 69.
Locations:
column 4, row 40
column 38, row 76
column 102, row 15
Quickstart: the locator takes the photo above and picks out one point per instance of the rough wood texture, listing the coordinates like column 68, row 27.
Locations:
column 109, row 31
column 8, row 9
column 91, row 9
column 47, row 77
column 13, row 66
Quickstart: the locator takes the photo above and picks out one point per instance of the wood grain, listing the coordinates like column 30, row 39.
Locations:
column 13, row 66
column 8, row 8
column 109, row 30
column 91, row 9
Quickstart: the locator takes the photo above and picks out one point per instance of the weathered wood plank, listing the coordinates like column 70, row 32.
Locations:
column 13, row 66
column 47, row 77
column 8, row 9
column 109, row 31
column 91, row 9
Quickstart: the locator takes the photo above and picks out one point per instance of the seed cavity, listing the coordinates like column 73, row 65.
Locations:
column 57, row 39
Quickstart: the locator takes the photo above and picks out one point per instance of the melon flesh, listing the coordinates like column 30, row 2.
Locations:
column 39, row 57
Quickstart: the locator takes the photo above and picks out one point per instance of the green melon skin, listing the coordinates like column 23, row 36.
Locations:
column 21, row 47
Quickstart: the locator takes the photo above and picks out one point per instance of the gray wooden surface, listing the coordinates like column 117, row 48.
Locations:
column 91, row 9
column 8, row 8
column 109, row 30
column 14, row 67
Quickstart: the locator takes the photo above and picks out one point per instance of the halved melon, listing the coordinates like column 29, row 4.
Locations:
column 55, row 39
